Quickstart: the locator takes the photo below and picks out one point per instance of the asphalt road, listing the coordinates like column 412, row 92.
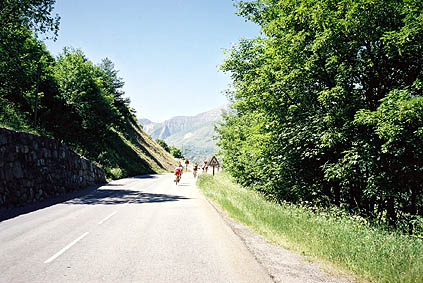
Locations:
column 142, row 229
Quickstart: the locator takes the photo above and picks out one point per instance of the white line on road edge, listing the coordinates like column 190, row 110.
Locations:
column 66, row 248
column 105, row 219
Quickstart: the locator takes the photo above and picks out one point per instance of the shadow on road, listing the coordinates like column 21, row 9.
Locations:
column 105, row 196
column 145, row 177
column 183, row 185
column 93, row 195
column 7, row 213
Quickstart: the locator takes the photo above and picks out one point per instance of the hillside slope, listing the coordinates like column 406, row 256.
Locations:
column 129, row 153
column 125, row 153
column 155, row 156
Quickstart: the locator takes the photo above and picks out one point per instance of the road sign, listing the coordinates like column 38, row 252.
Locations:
column 213, row 162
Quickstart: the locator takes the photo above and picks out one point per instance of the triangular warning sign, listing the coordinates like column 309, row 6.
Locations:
column 214, row 162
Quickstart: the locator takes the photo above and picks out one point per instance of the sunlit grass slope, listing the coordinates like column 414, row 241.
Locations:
column 132, row 153
column 329, row 235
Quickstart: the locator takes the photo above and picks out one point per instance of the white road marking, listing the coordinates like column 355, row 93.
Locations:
column 66, row 248
column 105, row 219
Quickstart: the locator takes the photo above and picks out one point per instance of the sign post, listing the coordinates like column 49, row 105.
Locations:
column 213, row 162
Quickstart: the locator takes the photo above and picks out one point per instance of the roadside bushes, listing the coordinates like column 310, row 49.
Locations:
column 326, row 106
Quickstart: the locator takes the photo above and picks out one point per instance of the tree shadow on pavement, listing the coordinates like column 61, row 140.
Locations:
column 145, row 177
column 7, row 213
column 110, row 197
column 92, row 195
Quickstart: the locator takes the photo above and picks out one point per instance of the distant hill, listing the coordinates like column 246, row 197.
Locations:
column 192, row 134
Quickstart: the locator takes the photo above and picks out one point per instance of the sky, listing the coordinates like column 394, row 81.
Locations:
column 167, row 52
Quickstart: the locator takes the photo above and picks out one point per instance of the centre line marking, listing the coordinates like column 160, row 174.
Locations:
column 66, row 248
column 105, row 219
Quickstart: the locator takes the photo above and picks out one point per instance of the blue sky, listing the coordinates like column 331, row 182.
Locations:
column 167, row 51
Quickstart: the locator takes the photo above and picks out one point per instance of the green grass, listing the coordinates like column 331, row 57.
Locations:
column 347, row 241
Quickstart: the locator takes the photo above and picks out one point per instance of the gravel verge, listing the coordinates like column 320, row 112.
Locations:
column 281, row 264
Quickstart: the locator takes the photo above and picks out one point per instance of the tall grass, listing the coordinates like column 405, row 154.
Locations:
column 348, row 241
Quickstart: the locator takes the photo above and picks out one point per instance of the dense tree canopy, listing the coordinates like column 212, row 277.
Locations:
column 20, row 53
column 68, row 97
column 35, row 15
column 327, row 104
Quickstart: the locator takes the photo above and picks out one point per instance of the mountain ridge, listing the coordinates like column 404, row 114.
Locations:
column 192, row 134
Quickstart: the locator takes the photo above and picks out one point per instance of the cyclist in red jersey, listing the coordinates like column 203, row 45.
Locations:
column 178, row 172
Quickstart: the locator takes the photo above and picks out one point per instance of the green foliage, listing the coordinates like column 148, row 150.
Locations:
column 163, row 144
column 91, row 106
column 9, row 117
column 326, row 106
column 349, row 241
column 176, row 152
column 97, row 120
column 113, row 85
column 20, row 53
column 33, row 14
column 115, row 173
column 77, row 101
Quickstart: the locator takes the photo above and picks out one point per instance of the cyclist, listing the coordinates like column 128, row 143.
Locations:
column 178, row 173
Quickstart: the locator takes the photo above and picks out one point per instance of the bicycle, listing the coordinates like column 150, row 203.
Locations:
column 177, row 179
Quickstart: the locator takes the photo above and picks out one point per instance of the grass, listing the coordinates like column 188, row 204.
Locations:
column 129, row 152
column 347, row 241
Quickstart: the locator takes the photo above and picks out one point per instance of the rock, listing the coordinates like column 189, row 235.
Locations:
column 33, row 168
column 17, row 170
column 3, row 140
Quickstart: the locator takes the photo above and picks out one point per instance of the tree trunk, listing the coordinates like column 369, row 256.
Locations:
column 390, row 211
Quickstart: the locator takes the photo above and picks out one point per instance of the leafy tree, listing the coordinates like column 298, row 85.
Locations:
column 163, row 144
column 18, row 75
column 35, row 15
column 176, row 152
column 113, row 85
column 90, row 106
column 75, row 101
column 301, row 91
column 20, row 54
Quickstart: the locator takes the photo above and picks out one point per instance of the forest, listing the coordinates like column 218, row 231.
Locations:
column 67, row 97
column 327, row 106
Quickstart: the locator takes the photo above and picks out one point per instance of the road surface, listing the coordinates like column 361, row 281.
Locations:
column 143, row 229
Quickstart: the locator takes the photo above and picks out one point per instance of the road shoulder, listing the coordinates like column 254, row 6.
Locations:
column 281, row 264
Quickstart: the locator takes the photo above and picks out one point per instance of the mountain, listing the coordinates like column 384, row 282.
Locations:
column 145, row 121
column 192, row 134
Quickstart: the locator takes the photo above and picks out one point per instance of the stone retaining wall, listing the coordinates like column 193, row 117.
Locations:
column 33, row 168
